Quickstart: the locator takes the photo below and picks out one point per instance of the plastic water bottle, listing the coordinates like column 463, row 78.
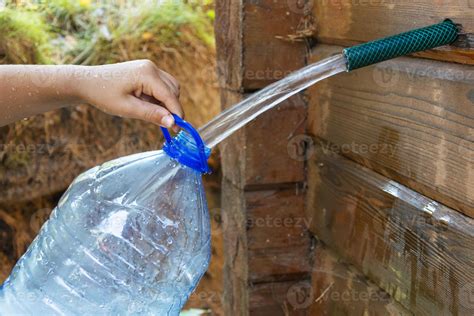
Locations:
column 129, row 237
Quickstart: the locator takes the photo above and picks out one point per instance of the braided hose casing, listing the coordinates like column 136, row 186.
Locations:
column 402, row 44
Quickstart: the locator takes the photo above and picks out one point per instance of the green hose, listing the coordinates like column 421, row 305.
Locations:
column 402, row 44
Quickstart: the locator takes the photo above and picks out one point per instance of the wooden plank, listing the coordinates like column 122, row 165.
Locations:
column 348, row 23
column 278, row 239
column 334, row 288
column 339, row 289
column 408, row 119
column 228, row 34
column 253, row 42
column 267, row 56
column 257, row 155
column 266, row 241
column 236, row 297
column 276, row 299
column 417, row 250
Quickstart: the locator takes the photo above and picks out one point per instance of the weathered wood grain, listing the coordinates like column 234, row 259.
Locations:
column 279, row 242
column 348, row 23
column 417, row 250
column 257, row 155
column 278, row 299
column 228, row 34
column 339, row 289
column 267, row 56
column 254, row 42
column 236, row 297
column 409, row 119
column 266, row 241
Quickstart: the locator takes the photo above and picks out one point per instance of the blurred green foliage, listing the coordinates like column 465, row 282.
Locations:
column 79, row 31
column 24, row 37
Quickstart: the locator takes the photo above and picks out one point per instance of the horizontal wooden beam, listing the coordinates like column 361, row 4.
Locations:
column 277, row 234
column 337, row 288
column 417, row 250
column 408, row 119
column 277, row 299
column 347, row 23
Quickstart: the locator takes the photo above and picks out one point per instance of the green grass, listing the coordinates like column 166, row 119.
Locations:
column 73, row 31
column 24, row 36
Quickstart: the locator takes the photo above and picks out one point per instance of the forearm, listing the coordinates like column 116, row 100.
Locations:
column 136, row 89
column 26, row 90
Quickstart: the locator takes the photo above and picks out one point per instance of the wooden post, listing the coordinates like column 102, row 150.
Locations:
column 267, row 242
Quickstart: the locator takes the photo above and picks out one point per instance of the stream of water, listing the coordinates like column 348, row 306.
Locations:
column 235, row 117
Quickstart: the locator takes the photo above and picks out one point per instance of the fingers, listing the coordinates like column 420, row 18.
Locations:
column 165, row 89
column 171, row 81
column 140, row 109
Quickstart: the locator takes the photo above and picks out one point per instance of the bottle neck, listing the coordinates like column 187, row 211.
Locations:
column 184, row 149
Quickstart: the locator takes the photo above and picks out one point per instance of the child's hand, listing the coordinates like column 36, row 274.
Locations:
column 136, row 89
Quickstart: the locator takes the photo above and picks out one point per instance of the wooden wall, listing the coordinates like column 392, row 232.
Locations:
column 371, row 171
column 390, row 174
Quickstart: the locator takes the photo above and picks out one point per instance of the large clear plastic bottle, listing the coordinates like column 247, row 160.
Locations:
column 131, row 236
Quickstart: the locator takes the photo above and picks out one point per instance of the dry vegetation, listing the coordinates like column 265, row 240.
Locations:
column 40, row 156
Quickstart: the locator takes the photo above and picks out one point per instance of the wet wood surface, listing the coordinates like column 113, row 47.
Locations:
column 337, row 288
column 348, row 23
column 417, row 250
column 409, row 119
